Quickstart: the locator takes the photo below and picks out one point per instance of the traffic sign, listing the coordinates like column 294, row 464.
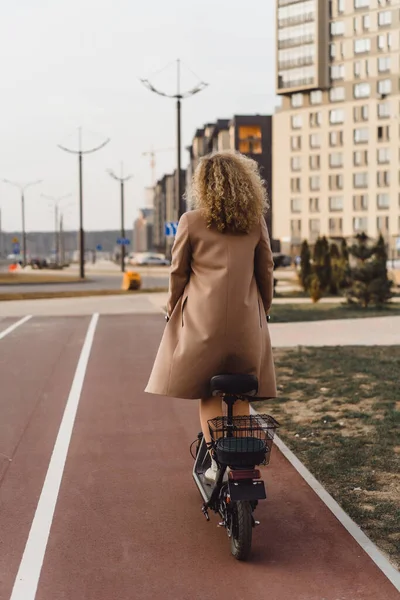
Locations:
column 15, row 240
column 16, row 248
column 99, row 247
column 123, row 242
column 170, row 228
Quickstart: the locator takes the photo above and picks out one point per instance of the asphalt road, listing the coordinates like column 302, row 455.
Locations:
column 96, row 496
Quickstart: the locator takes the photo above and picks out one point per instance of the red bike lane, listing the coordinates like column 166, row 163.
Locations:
column 128, row 522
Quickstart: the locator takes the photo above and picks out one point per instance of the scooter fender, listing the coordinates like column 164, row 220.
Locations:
column 247, row 489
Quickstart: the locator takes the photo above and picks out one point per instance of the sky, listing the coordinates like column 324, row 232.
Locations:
column 76, row 63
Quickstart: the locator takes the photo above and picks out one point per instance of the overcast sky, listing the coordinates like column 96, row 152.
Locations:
column 71, row 63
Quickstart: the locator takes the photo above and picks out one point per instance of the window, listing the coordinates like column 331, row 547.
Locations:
column 336, row 94
column 366, row 22
column 360, row 180
column 360, row 113
column 337, row 71
column 296, row 100
column 383, row 64
column 295, row 142
column 296, row 205
column 383, row 155
column 360, row 224
column 313, row 205
column 336, row 159
column 383, row 201
column 360, row 202
column 296, row 163
column 297, row 121
column 340, row 6
column 361, row 135
column 362, row 45
column 315, row 119
column 315, row 140
column 316, row 97
column 315, row 226
column 384, row 18
column 384, row 110
column 355, row 24
column 383, row 133
column 382, row 224
column 335, row 203
column 361, row 90
column 335, row 226
column 295, row 228
column 336, row 138
column 315, row 182
column 295, row 184
column 383, row 178
column 335, row 182
column 361, row 3
column 315, row 161
column 332, row 50
column 336, row 116
column 389, row 40
column 381, row 42
column 357, row 68
column 360, row 158
column 384, row 87
column 337, row 28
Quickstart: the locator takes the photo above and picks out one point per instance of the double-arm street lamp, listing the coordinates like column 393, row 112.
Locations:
column 22, row 189
column 56, row 204
column 122, row 181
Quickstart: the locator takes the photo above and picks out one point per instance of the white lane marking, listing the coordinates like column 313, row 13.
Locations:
column 26, row 582
column 14, row 326
column 366, row 544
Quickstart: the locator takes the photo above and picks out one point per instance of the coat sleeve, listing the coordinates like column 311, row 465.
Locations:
column 180, row 264
column 264, row 268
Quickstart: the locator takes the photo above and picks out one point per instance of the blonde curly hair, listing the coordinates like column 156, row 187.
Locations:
column 229, row 191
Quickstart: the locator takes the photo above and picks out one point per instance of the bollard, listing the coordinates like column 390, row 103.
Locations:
column 131, row 281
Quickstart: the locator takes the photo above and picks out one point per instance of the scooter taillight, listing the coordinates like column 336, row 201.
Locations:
column 239, row 475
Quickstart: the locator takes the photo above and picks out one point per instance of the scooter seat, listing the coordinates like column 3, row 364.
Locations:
column 234, row 384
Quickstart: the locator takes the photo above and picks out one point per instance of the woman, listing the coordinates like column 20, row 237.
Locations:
column 221, row 288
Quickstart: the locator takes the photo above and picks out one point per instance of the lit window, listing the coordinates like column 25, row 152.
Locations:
column 383, row 200
column 361, row 135
column 361, row 90
column 336, row 116
column 384, row 18
column 337, row 28
column 336, row 203
column 383, row 155
column 337, row 71
column 336, row 159
column 383, row 64
column 362, row 45
column 384, row 86
column 360, row 180
column 316, row 97
column 296, row 204
column 296, row 100
column 340, row 6
column 297, row 121
column 337, row 94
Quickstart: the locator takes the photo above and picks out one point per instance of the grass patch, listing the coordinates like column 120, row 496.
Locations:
column 339, row 410
column 74, row 294
column 289, row 313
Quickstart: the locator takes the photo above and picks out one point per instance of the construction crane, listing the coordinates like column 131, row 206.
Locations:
column 152, row 153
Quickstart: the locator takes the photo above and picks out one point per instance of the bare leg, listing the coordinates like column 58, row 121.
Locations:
column 209, row 409
column 241, row 408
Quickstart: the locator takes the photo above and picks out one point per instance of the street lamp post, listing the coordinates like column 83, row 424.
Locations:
column 179, row 96
column 80, row 154
column 56, row 201
column 122, row 181
column 22, row 189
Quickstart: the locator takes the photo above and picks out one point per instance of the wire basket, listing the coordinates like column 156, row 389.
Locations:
column 246, row 442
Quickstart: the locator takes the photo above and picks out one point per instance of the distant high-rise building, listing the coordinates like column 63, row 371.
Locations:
column 336, row 135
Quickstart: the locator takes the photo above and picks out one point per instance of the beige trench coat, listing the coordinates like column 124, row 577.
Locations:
column 221, row 288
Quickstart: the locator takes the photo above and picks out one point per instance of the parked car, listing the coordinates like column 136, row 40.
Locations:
column 151, row 260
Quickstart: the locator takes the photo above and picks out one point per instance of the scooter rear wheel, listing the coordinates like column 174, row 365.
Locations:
column 241, row 529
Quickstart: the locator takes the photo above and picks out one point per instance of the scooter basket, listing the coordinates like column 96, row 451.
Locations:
column 246, row 441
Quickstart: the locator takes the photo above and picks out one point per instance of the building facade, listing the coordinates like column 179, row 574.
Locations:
column 336, row 136
column 248, row 134
column 166, row 209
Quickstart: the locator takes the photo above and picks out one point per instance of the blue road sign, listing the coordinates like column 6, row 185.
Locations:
column 99, row 247
column 16, row 248
column 170, row 228
column 123, row 242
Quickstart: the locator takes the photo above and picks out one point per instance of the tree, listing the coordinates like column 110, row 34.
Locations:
column 322, row 263
column 336, row 269
column 305, row 266
column 369, row 280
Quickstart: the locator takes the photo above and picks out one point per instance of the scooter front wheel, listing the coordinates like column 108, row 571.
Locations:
column 241, row 529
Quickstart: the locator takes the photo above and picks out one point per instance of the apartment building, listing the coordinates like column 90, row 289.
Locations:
column 336, row 136
column 165, row 209
column 249, row 134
